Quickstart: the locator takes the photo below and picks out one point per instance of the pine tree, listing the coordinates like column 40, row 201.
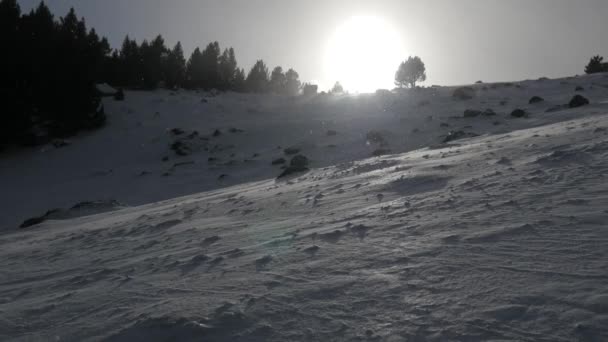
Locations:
column 194, row 69
column 131, row 66
column 152, row 60
column 14, row 118
column 239, row 83
column 292, row 82
column 278, row 81
column 595, row 65
column 337, row 89
column 410, row 72
column 257, row 79
column 175, row 67
column 227, row 69
column 210, row 67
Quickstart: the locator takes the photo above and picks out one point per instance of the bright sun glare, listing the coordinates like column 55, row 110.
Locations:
column 363, row 54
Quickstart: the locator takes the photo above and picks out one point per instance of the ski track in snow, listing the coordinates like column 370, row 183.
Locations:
column 499, row 237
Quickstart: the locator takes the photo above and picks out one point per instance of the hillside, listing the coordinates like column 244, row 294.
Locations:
column 495, row 237
column 124, row 162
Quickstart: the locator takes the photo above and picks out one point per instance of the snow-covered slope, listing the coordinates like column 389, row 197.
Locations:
column 498, row 237
column 124, row 161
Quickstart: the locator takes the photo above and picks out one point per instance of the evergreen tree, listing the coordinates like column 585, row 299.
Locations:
column 227, row 69
column 131, row 66
column 239, row 83
column 14, row 118
column 210, row 67
column 596, row 65
column 175, row 67
column 337, row 89
column 152, row 61
column 292, row 82
column 278, row 81
column 410, row 72
column 257, row 79
column 194, row 69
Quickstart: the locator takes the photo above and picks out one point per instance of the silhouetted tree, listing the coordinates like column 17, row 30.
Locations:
column 210, row 67
column 14, row 116
column 48, row 75
column 239, row 83
column 175, row 67
column 309, row 89
column 152, row 55
column 257, row 79
column 227, row 69
column 596, row 65
column 131, row 66
column 410, row 72
column 194, row 69
column 278, row 81
column 292, row 82
column 337, row 89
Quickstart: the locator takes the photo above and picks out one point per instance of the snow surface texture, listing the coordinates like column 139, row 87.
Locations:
column 496, row 237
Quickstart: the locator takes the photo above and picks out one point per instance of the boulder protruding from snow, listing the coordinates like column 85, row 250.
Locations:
column 536, row 99
column 464, row 93
column 578, row 101
column 291, row 150
column 518, row 113
column 78, row 210
column 455, row 135
column 299, row 163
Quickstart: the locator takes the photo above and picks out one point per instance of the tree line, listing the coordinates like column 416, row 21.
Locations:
column 50, row 68
column 151, row 64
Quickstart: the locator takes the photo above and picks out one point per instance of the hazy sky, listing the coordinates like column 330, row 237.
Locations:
column 460, row 41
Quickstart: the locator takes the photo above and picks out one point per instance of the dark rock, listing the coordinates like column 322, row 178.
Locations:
column 279, row 161
column 299, row 161
column 298, row 164
column 578, row 101
column 180, row 148
column 471, row 113
column 235, row 130
column 291, row 150
column 579, row 88
column 331, row 133
column 464, row 93
column 489, row 112
column 455, row 135
column 536, row 99
column 518, row 113
column 177, row 131
column 78, row 210
column 479, row 82
column 217, row 133
column 380, row 152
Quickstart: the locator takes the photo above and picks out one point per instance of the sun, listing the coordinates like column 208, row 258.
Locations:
column 363, row 54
